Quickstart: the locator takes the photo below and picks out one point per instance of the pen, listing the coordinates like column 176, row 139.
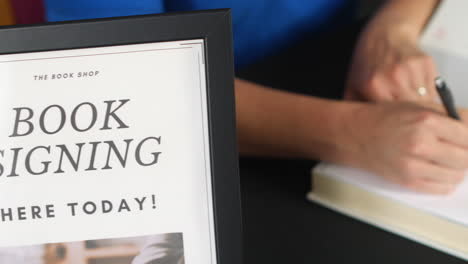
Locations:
column 446, row 97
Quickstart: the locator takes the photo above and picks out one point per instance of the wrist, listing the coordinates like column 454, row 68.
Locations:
column 330, row 136
column 404, row 17
column 396, row 28
column 349, row 126
column 353, row 125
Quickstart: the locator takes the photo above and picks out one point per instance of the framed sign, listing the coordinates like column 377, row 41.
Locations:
column 117, row 142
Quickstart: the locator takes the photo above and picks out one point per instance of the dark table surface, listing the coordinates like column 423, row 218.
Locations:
column 281, row 226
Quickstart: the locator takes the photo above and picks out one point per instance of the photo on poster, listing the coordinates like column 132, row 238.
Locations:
column 154, row 249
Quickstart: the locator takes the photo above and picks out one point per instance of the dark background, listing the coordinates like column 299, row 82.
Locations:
column 281, row 226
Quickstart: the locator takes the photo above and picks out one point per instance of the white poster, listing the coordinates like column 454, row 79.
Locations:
column 104, row 156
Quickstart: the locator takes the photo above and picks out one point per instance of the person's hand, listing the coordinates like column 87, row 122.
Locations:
column 414, row 146
column 388, row 65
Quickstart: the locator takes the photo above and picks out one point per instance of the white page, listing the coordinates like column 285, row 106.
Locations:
column 453, row 207
column 446, row 40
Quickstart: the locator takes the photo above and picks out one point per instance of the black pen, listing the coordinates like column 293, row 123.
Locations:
column 446, row 97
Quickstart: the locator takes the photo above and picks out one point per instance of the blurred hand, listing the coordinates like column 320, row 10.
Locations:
column 388, row 65
column 414, row 146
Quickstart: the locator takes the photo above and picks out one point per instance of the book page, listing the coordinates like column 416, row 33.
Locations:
column 104, row 154
column 445, row 39
column 446, row 30
column 453, row 207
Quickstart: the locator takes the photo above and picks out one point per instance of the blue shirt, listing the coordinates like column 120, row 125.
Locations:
column 260, row 27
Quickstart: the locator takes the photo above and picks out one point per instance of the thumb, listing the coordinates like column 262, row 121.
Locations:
column 463, row 112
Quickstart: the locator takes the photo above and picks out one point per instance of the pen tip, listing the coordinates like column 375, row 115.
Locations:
column 439, row 81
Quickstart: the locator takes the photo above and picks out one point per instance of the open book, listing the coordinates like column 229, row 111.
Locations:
column 437, row 221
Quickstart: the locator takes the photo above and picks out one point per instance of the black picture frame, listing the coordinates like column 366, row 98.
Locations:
column 214, row 26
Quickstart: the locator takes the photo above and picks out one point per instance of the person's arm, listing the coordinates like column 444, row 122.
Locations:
column 281, row 124
column 408, row 15
column 403, row 142
column 388, row 63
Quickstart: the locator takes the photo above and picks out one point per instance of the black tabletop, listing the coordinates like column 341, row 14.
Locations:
column 281, row 226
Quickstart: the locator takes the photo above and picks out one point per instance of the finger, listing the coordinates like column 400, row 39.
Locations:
column 450, row 130
column 402, row 87
column 430, row 76
column 426, row 186
column 419, row 80
column 422, row 169
column 463, row 112
column 445, row 154
column 378, row 90
column 437, row 107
